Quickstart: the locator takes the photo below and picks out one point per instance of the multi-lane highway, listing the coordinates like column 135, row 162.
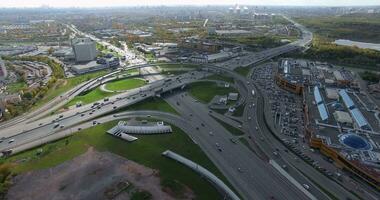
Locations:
column 251, row 176
column 45, row 126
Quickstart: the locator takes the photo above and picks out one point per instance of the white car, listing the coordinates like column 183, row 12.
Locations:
column 11, row 140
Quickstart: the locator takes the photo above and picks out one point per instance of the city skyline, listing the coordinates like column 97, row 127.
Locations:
column 116, row 3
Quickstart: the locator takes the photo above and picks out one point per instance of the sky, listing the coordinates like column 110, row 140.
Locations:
column 114, row 3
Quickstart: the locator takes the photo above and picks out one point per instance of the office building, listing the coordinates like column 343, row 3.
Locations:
column 84, row 49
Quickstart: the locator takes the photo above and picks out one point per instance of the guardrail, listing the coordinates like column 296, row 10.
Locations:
column 201, row 170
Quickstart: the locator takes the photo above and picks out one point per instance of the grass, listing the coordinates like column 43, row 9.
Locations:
column 231, row 129
column 141, row 195
column 62, row 87
column 220, row 78
column 170, row 66
column 92, row 96
column 243, row 71
column 246, row 143
column 146, row 151
column 205, row 91
column 125, row 84
column 152, row 103
column 239, row 111
column 16, row 87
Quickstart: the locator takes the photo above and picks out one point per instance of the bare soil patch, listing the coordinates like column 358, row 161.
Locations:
column 92, row 175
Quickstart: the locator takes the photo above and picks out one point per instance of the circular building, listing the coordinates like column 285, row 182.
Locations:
column 355, row 142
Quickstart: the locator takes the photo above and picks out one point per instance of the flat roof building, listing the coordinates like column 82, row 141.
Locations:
column 84, row 49
column 88, row 67
column 342, row 117
column 233, row 96
column 346, row 99
column 332, row 93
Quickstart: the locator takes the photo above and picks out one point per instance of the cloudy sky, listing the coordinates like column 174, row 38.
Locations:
column 110, row 3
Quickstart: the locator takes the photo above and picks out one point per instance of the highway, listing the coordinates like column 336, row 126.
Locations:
column 253, row 178
column 250, row 175
column 45, row 126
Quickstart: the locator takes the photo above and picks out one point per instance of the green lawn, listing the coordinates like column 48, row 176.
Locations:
column 92, row 96
column 205, row 90
column 242, row 70
column 146, row 151
column 125, row 84
column 62, row 87
column 16, row 87
column 231, row 129
column 152, row 104
column 246, row 143
column 239, row 111
column 220, row 78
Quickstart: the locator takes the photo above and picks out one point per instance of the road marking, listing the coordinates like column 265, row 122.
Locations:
column 291, row 179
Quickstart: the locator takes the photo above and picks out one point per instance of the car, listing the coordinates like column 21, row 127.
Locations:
column 55, row 125
column 240, row 170
column 202, row 124
column 94, row 122
column 62, row 126
column 149, row 116
column 82, row 114
column 114, row 107
column 211, row 133
column 306, row 186
column 11, row 141
column 79, row 129
column 40, row 124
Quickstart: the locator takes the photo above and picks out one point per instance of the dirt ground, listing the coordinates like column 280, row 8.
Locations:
column 92, row 175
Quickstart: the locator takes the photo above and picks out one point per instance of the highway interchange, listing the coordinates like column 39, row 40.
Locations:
column 250, row 174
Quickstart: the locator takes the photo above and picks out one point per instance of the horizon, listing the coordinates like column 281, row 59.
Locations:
column 171, row 3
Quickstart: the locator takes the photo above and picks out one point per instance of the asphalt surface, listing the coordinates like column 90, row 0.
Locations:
column 43, row 127
column 253, row 178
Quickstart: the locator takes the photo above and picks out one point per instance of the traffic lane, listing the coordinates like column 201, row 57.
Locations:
column 73, row 119
column 228, row 143
column 302, row 166
column 261, row 178
column 16, row 129
column 270, row 149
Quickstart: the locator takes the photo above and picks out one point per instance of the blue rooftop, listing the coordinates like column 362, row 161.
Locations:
column 346, row 99
column 323, row 112
column 358, row 117
column 317, row 95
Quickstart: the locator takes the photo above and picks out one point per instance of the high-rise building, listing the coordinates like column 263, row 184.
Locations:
column 84, row 49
